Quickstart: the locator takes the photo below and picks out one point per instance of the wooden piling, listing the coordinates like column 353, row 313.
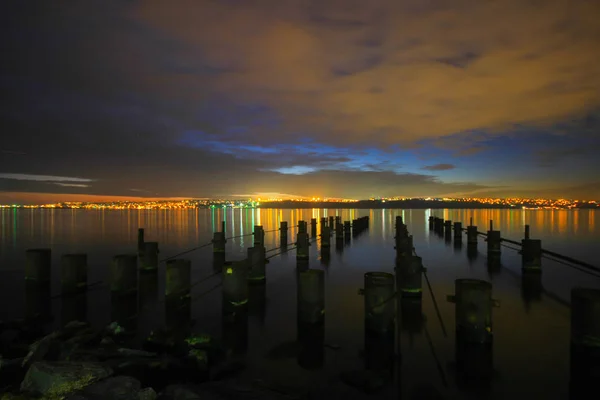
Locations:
column 410, row 270
column 494, row 241
column 472, row 235
column 325, row 237
column 339, row 232
column 178, row 280
column 235, row 284
column 313, row 227
column 73, row 273
column 149, row 257
column 379, row 294
column 531, row 253
column 124, row 274
column 259, row 236
column 458, row 231
column 311, row 296
column 331, row 223
column 473, row 311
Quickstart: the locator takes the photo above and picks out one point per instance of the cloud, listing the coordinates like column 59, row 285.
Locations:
column 438, row 167
column 43, row 178
column 80, row 185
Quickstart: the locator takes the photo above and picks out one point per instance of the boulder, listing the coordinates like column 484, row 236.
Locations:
column 114, row 388
column 61, row 378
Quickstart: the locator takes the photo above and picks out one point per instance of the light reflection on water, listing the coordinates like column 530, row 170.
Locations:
column 531, row 329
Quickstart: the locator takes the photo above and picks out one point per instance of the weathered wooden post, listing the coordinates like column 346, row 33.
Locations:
column 124, row 274
column 379, row 305
column 302, row 246
column 531, row 287
column 339, row 232
column 474, row 334
column 331, row 223
column 493, row 240
column 219, row 242
column 404, row 246
column 149, row 257
column 38, row 268
column 448, row 229
column 177, row 292
column 257, row 300
column 323, row 224
column 73, row 308
column 283, row 233
column 471, row 233
column 140, row 241
column 236, row 294
column 409, row 269
column 355, row 228
column 257, row 260
column 531, row 253
column 259, row 236
column 235, row 284
column 124, row 309
column 235, row 329
column 585, row 339
column 223, row 227
column 73, row 271
column 313, row 227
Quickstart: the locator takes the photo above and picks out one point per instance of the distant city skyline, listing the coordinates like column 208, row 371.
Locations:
column 325, row 98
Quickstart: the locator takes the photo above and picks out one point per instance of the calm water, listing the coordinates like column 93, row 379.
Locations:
column 531, row 347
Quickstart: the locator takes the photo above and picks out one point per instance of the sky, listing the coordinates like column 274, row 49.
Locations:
column 317, row 98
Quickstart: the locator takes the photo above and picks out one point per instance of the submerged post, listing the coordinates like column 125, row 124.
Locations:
column 531, row 253
column 585, row 342
column 379, row 307
column 256, row 259
column 149, row 257
column 73, row 273
column 140, row 240
column 283, row 233
column 124, row 274
column 347, row 230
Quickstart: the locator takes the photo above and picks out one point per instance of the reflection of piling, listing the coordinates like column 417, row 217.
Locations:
column 379, row 351
column 585, row 342
column 124, row 310
column 311, row 296
column 494, row 264
column 531, row 287
column 493, row 240
column 302, row 249
column 235, row 330
column 472, row 251
column 38, row 267
column 149, row 257
column 531, row 253
column 219, row 242
column 140, row 241
column 325, row 256
column 259, row 236
column 73, row 308
column 410, row 269
column 218, row 261
column 73, row 270
column 313, row 227
column 177, row 292
column 458, row 231
column 474, row 335
column 379, row 307
column 347, row 231
column 124, row 274
column 257, row 301
column 325, row 237
column 257, row 260
column 311, row 350
column 283, row 233
column 412, row 320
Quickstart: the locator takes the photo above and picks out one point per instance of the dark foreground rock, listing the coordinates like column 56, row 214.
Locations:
column 54, row 378
column 223, row 390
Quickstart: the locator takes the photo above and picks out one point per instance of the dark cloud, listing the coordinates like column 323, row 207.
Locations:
column 438, row 167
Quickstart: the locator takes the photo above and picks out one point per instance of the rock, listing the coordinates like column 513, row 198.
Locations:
column 220, row 391
column 114, row 388
column 61, row 378
column 46, row 347
column 136, row 353
column 147, row 394
column 365, row 381
column 180, row 392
